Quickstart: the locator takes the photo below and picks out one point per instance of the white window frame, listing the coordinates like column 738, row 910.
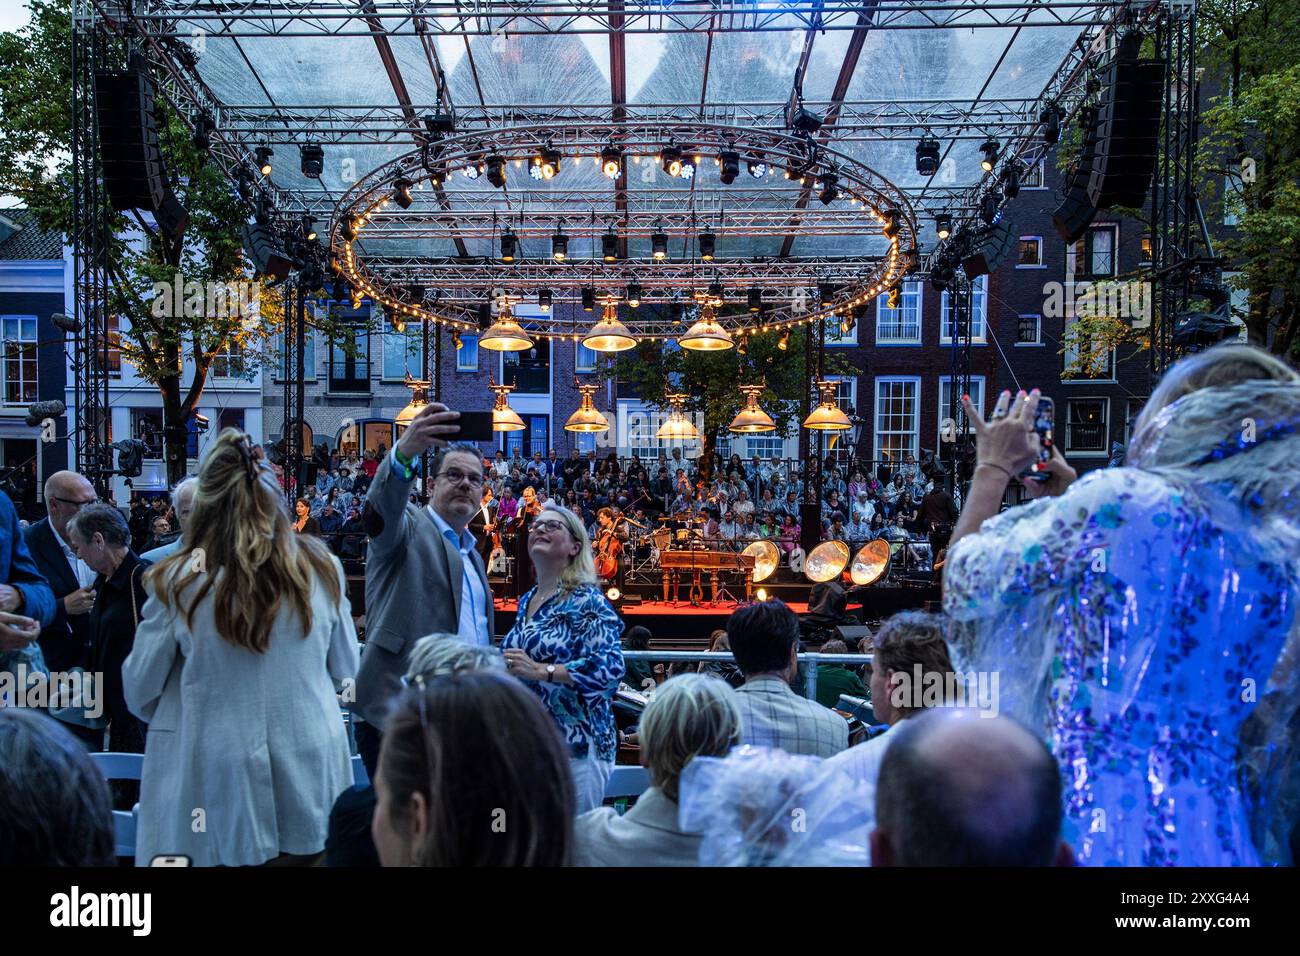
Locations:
column 231, row 351
column 23, row 344
column 1071, row 268
column 1042, row 262
column 580, row 367
column 282, row 370
column 1038, row 325
column 1063, row 427
column 1232, row 200
column 979, row 310
column 910, row 292
column 846, row 399
column 463, row 366
column 915, row 431
column 944, row 382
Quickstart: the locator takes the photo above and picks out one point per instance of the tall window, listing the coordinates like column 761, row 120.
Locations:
column 897, row 416
column 1085, row 425
column 467, row 354
column 901, row 325
column 766, row 446
column 402, row 354
column 1093, row 256
column 230, row 363
column 1032, row 177
column 528, row 371
column 350, row 360
column 945, row 396
column 1029, row 330
column 111, row 356
column 978, row 307
column 584, row 359
column 19, row 333
column 1030, row 255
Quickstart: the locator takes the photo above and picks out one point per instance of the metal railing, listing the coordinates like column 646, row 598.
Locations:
column 810, row 673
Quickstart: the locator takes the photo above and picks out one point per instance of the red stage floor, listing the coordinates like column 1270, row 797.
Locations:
column 658, row 608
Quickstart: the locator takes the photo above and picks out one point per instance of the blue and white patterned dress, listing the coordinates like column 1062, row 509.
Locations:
column 580, row 630
column 1136, row 621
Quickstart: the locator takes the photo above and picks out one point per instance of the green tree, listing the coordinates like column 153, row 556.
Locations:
column 160, row 335
column 1250, row 156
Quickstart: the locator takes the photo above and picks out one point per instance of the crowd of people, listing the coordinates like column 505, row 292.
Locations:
column 1120, row 616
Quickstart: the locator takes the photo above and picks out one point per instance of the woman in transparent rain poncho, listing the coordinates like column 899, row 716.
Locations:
column 1145, row 617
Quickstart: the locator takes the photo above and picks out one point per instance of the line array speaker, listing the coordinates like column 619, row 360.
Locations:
column 134, row 174
column 992, row 246
column 1076, row 211
column 1128, row 128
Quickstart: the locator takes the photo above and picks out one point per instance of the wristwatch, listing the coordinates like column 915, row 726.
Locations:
column 550, row 673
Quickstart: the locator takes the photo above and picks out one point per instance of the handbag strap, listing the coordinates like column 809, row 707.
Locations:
column 135, row 613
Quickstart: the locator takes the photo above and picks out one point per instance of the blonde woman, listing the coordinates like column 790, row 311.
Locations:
column 565, row 647
column 245, row 639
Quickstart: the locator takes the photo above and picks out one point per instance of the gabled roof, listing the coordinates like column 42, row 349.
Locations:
column 21, row 239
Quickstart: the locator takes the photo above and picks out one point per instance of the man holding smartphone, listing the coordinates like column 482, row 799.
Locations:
column 423, row 573
column 26, row 601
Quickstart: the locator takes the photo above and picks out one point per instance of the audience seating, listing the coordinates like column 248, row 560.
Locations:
column 115, row 766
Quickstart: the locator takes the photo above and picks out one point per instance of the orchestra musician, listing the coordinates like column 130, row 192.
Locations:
column 529, row 508
column 611, row 532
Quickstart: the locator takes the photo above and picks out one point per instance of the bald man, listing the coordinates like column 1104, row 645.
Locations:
column 65, row 643
column 959, row 789
column 183, row 500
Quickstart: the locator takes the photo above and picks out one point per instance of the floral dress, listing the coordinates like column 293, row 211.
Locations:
column 580, row 630
column 1135, row 621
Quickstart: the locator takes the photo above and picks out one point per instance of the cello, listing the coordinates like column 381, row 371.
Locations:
column 608, row 551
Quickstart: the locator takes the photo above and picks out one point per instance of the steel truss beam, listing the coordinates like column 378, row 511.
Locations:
column 317, row 18
column 864, row 121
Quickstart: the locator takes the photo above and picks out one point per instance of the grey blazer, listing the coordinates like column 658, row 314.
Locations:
column 413, row 588
column 647, row 835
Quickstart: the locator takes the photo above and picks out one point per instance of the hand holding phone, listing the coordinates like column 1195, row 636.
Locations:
column 1043, row 421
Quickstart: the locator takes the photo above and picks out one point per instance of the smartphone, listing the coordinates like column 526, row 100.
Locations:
column 170, row 861
column 1043, row 420
column 475, row 426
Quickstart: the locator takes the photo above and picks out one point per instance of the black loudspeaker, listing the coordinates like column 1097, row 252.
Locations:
column 992, row 246
column 1128, row 127
column 264, row 249
column 850, row 634
column 134, row 174
column 1076, row 211
column 810, row 526
column 306, row 476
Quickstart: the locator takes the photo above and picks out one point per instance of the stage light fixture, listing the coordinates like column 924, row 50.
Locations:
column 830, row 183
column 891, row 228
column 496, row 171
column 708, row 243
column 611, row 162
column 716, row 293
column 634, row 294
column 943, row 225
column 659, row 245
column 783, row 343
column 989, row 207
column 728, row 166
column 470, row 170
column 1011, row 180
column 550, row 163
column 559, row 246
column 509, row 245
column 588, row 299
column 609, row 246
column 311, row 160
column 756, row 167
column 989, row 153
column 755, row 299
column 308, row 228
column 544, row 299
column 402, row 193
column 825, row 294
column 927, row 156
column 264, row 154
column 455, row 340
column 670, row 158
column 203, row 129
column 1051, row 120
column 244, row 185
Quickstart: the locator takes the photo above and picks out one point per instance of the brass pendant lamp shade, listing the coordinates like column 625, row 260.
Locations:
column 505, row 334
column 609, row 334
column 505, row 418
column 751, row 418
column 587, row 418
column 827, row 416
column 678, row 427
column 706, row 335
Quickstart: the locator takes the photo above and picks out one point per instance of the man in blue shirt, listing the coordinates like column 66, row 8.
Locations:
column 26, row 601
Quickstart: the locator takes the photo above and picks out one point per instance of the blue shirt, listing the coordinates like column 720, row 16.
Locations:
column 473, row 595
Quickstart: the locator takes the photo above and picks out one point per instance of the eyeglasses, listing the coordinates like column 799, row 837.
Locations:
column 456, row 476
column 547, row 527
column 76, row 504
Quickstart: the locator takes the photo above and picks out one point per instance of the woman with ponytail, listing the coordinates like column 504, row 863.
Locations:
column 244, row 642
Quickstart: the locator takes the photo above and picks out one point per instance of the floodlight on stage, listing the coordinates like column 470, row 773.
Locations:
column 943, row 225
column 659, row 245
column 264, row 154
column 544, row 299
column 728, row 166
column 509, row 245
column 611, row 162
column 830, row 183
column 495, row 167
column 311, row 160
column 989, row 153
column 634, row 294
column 559, row 246
column 755, row 299
column 1011, row 180
column 609, row 246
column 670, row 158
column 708, row 243
column 927, row 156
column 402, row 192
column 756, row 167
column 588, row 299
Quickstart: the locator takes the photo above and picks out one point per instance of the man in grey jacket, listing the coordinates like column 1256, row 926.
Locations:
column 423, row 574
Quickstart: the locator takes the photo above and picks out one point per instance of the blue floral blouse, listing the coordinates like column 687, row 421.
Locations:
column 1136, row 623
column 580, row 630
